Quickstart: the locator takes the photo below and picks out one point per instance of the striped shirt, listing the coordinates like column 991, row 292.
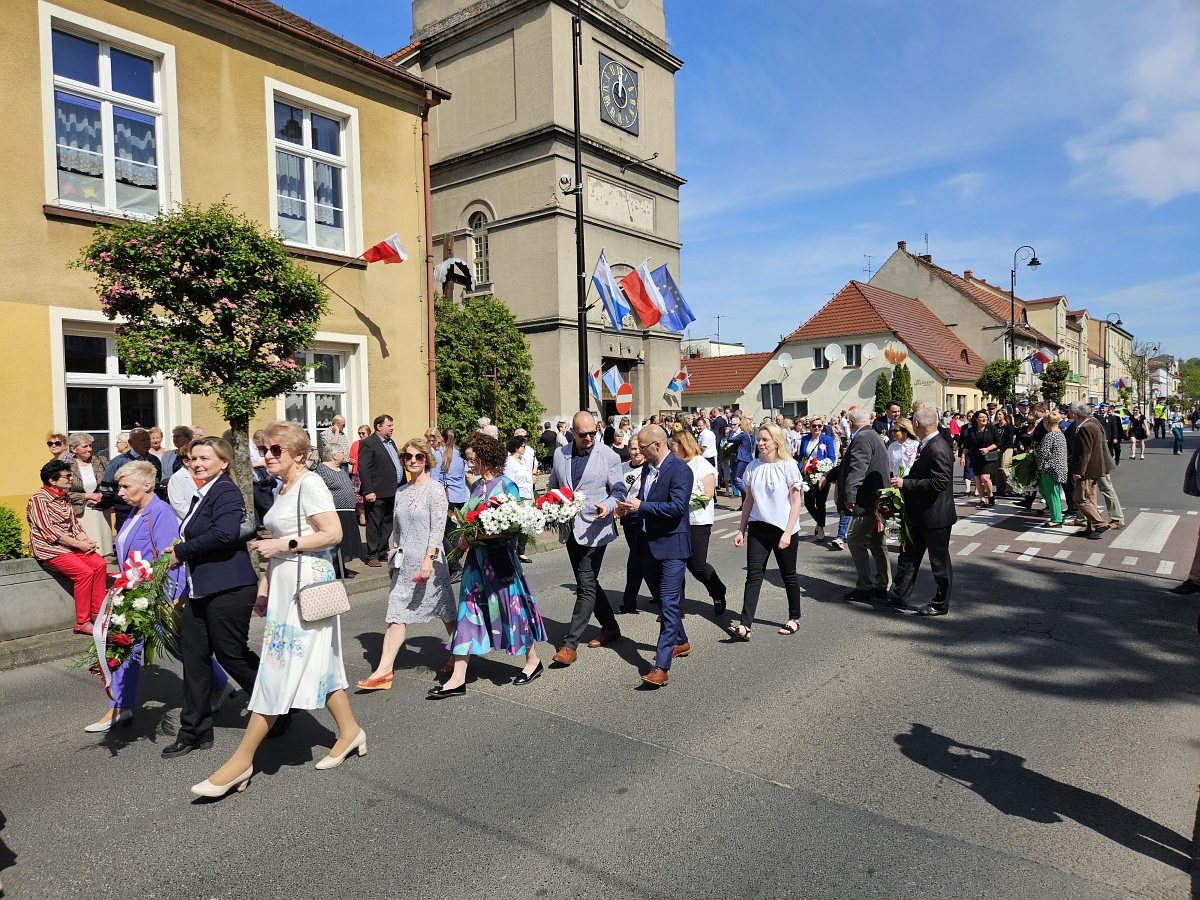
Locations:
column 51, row 517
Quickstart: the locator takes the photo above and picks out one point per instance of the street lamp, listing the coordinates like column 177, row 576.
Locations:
column 1107, row 343
column 1012, row 315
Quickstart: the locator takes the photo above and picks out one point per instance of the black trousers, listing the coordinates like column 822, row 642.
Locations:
column 1160, row 428
column 1116, row 452
column 589, row 596
column 698, row 564
column 220, row 625
column 815, row 500
column 937, row 542
column 379, row 525
column 761, row 541
column 634, row 576
column 448, row 543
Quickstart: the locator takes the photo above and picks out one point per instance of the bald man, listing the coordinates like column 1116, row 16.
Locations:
column 589, row 466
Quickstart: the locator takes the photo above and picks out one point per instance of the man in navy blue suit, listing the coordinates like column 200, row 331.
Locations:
column 665, row 543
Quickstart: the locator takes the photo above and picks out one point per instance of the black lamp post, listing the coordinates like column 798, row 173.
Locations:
column 1012, row 315
column 1107, row 342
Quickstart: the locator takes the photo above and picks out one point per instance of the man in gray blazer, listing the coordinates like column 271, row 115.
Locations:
column 862, row 474
column 587, row 465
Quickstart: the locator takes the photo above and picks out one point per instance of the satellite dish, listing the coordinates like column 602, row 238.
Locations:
column 785, row 360
column 869, row 351
column 833, row 351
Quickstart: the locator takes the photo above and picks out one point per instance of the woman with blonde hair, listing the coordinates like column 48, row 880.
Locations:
column 56, row 442
column 704, row 481
column 421, row 588
column 771, row 511
column 301, row 660
column 1052, row 467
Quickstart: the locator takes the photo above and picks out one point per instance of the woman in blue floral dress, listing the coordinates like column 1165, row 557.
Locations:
column 496, row 610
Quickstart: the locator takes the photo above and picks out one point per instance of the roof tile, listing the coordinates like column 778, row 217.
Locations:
column 723, row 374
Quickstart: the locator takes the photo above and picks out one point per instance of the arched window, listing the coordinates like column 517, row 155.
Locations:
column 479, row 242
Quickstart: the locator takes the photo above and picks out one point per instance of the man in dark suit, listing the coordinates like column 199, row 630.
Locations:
column 1115, row 429
column 928, row 491
column 379, row 472
column 863, row 472
column 941, row 429
column 665, row 543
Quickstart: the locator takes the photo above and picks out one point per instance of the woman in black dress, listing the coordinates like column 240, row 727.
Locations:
column 980, row 441
column 1137, row 432
column 1006, row 443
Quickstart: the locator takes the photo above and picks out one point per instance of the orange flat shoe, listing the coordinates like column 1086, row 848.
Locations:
column 382, row 683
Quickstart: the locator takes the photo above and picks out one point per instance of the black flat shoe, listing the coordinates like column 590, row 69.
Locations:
column 181, row 748
column 282, row 724
column 437, row 692
column 522, row 678
column 1188, row 587
column 930, row 610
column 719, row 607
column 627, row 611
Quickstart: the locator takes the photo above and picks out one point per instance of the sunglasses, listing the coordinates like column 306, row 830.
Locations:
column 586, row 434
column 274, row 450
column 54, row 443
column 416, row 457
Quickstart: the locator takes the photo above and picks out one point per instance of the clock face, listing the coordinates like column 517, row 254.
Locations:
column 618, row 95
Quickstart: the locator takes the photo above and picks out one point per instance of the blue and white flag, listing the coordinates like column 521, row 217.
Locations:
column 614, row 301
column 613, row 380
column 678, row 314
column 594, row 385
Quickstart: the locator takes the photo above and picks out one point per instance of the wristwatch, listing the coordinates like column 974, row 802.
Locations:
column 293, row 544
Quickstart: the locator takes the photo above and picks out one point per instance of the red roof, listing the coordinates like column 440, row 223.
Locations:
column 723, row 374
column 1097, row 359
column 993, row 301
column 862, row 308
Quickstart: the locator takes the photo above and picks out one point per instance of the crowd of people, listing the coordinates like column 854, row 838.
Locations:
column 656, row 481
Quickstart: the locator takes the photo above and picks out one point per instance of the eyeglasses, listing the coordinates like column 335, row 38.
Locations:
column 54, row 443
column 586, row 434
column 63, row 475
column 274, row 450
column 261, row 450
column 417, row 457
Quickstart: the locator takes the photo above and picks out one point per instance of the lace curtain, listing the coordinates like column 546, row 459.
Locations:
column 289, row 180
column 78, row 134
column 134, row 146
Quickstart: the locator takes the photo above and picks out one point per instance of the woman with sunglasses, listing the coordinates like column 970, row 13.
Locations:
column 817, row 445
column 421, row 589
column 57, row 444
column 902, row 451
column 496, row 610
column 301, row 660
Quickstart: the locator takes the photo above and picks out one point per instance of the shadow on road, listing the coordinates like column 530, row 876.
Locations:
column 1002, row 780
column 7, row 857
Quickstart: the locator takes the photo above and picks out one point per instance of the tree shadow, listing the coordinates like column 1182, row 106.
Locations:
column 1002, row 780
column 7, row 857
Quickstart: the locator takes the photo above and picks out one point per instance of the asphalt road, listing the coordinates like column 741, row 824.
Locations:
column 1041, row 741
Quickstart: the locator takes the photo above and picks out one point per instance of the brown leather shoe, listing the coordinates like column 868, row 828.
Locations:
column 374, row 563
column 656, row 677
column 605, row 637
column 565, row 656
column 681, row 650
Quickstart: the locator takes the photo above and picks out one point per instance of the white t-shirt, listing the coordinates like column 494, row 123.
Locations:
column 529, row 457
column 903, row 453
column 708, row 444
column 793, row 441
column 519, row 474
column 770, row 484
column 701, row 468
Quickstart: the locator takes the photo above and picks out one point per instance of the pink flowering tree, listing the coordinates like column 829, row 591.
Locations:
column 206, row 299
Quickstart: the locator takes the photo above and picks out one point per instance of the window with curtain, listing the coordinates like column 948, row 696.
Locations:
column 313, row 403
column 310, row 175
column 479, row 241
column 107, row 125
column 100, row 398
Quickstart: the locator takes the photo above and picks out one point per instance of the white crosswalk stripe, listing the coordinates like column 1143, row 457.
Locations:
column 1129, row 561
column 1094, row 559
column 1165, row 567
column 1001, row 548
column 968, row 550
column 1044, row 535
column 1063, row 554
column 1030, row 553
column 1148, row 533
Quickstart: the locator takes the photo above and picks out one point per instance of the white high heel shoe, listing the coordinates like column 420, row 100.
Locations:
column 226, row 692
column 359, row 744
column 124, row 717
column 207, row 789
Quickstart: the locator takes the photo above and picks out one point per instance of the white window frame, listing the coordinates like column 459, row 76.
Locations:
column 349, row 161
column 173, row 407
column 819, row 360
column 481, row 257
column 355, row 387
column 855, row 351
column 51, row 18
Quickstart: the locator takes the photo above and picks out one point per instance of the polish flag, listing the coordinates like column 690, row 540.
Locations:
column 1045, row 357
column 387, row 251
column 643, row 295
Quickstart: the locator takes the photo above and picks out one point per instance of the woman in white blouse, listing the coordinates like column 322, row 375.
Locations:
column 704, row 484
column 517, row 470
column 902, row 451
column 772, row 513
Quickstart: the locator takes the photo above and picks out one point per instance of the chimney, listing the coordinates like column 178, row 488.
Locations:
column 902, row 246
column 967, row 273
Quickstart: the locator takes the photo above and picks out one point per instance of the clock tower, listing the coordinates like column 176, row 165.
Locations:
column 499, row 145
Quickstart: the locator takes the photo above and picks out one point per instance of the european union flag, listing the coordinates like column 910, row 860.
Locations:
column 678, row 314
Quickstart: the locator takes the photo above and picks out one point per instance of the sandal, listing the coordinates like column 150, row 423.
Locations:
column 739, row 631
column 790, row 627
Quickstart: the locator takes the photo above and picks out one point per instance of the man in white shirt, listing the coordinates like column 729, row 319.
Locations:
column 707, row 442
column 529, row 457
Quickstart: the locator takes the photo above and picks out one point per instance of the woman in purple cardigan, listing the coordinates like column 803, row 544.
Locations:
column 150, row 530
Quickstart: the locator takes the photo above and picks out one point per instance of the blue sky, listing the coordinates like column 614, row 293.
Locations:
column 814, row 133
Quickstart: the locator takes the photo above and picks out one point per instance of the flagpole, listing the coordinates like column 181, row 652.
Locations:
column 580, row 263
column 323, row 278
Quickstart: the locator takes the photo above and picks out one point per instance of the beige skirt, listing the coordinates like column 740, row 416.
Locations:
column 96, row 526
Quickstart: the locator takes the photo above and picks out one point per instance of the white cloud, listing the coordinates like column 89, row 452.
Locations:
column 967, row 184
column 1150, row 150
column 1162, row 310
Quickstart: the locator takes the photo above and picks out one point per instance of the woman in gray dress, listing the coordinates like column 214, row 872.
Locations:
column 421, row 588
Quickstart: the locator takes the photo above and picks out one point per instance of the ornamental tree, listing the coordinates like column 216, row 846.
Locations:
column 1054, row 380
column 999, row 379
column 902, row 388
column 883, row 393
column 207, row 300
column 473, row 341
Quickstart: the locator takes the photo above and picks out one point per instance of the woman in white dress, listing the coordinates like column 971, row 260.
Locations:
column 902, row 451
column 517, row 470
column 301, row 664
column 704, row 481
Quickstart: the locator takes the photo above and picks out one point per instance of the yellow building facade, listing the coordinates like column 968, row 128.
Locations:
column 131, row 108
